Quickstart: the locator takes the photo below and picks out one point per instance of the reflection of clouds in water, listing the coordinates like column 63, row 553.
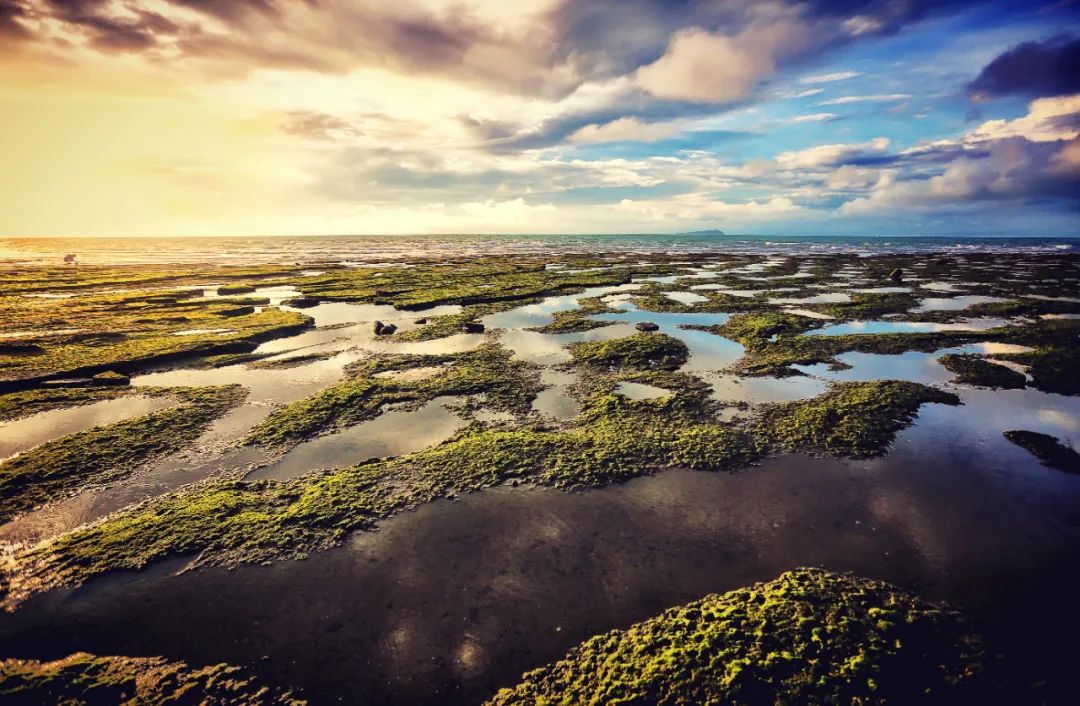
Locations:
column 1059, row 418
column 902, row 512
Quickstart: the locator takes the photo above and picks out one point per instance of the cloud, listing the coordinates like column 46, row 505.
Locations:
column 623, row 130
column 829, row 78
column 873, row 98
column 1032, row 158
column 1047, row 68
column 813, row 118
column 830, row 155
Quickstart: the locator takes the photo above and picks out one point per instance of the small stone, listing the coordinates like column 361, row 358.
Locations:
column 421, row 321
column 647, row 326
column 472, row 327
column 382, row 329
column 896, row 275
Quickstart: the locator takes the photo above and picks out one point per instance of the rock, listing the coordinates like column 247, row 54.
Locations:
column 421, row 321
column 301, row 302
column 472, row 327
column 647, row 326
column 382, row 329
column 896, row 275
column 20, row 349
column 237, row 311
column 110, row 378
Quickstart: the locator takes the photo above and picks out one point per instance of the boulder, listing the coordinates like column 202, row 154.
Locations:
column 647, row 326
column 382, row 329
column 896, row 275
column 301, row 302
column 421, row 321
column 472, row 327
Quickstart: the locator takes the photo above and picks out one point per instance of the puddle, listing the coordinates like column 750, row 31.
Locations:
column 23, row 434
column 639, row 391
column 535, row 315
column 954, row 303
column 828, row 298
column 732, row 388
column 982, row 324
column 555, row 401
column 686, row 297
column 883, row 290
column 393, row 433
column 810, row 314
column 446, row 604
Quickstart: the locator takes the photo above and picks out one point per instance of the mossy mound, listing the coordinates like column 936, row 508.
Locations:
column 857, row 419
column 973, row 370
column 1048, row 449
column 808, row 637
column 643, row 351
column 87, row 680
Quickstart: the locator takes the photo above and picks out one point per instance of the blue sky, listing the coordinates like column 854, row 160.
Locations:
column 174, row 117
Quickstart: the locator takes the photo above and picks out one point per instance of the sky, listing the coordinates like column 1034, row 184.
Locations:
column 275, row 117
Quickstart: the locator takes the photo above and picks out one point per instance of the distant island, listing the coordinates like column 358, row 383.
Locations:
column 713, row 231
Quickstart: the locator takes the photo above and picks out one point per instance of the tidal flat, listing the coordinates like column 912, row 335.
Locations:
column 546, row 478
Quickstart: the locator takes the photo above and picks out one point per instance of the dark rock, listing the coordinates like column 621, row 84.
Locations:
column 472, row 327
column 382, row 329
column 237, row 311
column 421, row 321
column 301, row 302
column 896, row 275
column 647, row 326
column 20, row 349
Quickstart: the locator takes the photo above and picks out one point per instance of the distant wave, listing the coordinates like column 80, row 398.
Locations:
column 366, row 249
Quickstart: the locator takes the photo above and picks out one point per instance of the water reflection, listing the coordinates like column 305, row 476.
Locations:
column 22, row 434
column 393, row 433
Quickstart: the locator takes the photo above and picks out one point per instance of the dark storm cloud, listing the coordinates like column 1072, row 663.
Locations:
column 10, row 25
column 1034, row 69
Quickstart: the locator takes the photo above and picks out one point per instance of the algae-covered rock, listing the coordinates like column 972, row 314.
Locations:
column 973, row 370
column 642, row 351
column 83, row 679
column 1048, row 449
column 807, row 637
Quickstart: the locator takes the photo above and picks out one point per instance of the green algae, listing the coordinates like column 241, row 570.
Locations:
column 849, row 419
column 808, row 637
column 1053, row 368
column 642, row 351
column 1048, row 449
column 757, row 330
column 56, row 469
column 83, row 679
column 507, row 385
column 611, row 440
column 974, row 370
column 15, row 405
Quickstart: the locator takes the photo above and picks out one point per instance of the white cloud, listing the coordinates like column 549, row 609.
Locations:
column 802, row 94
column 827, row 155
column 1044, row 123
column 626, row 129
column 829, row 78
column 697, row 207
column 714, row 68
column 813, row 117
column 873, row 98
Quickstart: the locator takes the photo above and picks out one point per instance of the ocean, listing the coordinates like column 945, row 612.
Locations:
column 355, row 249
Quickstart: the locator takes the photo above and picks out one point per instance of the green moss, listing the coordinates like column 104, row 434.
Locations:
column 506, row 384
column 83, row 679
column 974, row 370
column 611, row 440
column 1048, row 449
column 857, row 419
column 756, row 330
column 1053, row 368
column 24, row 403
column 58, row 468
column 642, row 351
column 808, row 637
column 235, row 289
